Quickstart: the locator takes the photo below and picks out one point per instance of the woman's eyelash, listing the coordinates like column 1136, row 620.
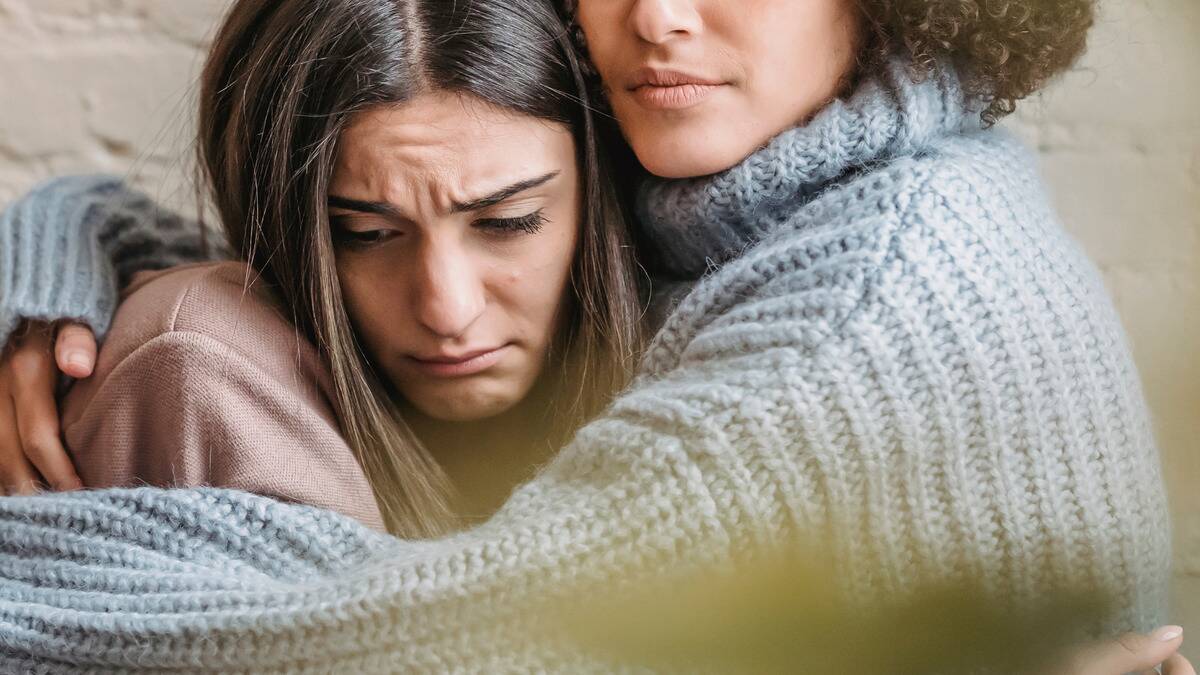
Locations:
column 369, row 237
column 343, row 236
column 529, row 224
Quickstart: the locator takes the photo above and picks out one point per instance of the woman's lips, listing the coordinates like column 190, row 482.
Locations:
column 661, row 89
column 470, row 364
column 675, row 97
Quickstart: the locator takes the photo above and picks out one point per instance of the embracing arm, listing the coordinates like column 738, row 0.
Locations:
column 68, row 246
column 66, row 249
column 849, row 381
column 674, row 475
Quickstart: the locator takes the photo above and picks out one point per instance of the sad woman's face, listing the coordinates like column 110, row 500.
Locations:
column 455, row 225
column 699, row 85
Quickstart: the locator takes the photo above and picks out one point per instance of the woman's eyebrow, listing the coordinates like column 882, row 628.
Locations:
column 390, row 211
column 379, row 208
column 502, row 194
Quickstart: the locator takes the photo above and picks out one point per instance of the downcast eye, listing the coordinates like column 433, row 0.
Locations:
column 529, row 224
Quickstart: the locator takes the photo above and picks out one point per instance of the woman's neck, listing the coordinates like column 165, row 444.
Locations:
column 486, row 459
column 696, row 223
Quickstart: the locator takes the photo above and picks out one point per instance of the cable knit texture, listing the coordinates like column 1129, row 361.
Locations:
column 66, row 246
column 894, row 345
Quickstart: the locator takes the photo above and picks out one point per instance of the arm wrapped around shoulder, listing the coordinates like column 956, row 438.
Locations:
column 69, row 244
column 940, row 390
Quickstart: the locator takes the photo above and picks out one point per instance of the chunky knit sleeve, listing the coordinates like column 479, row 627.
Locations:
column 891, row 372
column 703, row 458
column 68, row 246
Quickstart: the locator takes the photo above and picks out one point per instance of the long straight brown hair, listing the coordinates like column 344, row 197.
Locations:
column 282, row 81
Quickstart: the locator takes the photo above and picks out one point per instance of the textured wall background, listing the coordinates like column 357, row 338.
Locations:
column 106, row 85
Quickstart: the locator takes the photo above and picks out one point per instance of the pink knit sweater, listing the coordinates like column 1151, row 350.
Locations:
column 203, row 382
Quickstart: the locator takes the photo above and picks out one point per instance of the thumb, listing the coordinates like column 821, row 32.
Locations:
column 75, row 350
column 1178, row 665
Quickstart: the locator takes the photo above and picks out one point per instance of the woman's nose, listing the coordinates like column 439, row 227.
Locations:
column 658, row 21
column 449, row 293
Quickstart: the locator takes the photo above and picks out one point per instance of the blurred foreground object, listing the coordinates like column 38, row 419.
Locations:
column 785, row 615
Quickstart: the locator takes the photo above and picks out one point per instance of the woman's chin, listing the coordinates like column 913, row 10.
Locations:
column 691, row 158
column 462, row 406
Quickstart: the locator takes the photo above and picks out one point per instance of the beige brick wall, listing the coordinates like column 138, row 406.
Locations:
column 100, row 85
column 106, row 85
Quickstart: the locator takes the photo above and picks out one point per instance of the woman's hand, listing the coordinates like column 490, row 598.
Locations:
column 1131, row 653
column 31, row 449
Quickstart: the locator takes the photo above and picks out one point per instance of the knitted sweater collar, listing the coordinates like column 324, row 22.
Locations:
column 699, row 222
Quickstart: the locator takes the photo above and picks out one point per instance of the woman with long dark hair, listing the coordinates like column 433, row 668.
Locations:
column 434, row 214
column 889, row 343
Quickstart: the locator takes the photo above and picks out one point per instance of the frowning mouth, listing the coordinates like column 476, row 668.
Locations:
column 458, row 365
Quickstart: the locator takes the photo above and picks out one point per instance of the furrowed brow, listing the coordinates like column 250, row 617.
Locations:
column 503, row 193
column 378, row 208
column 390, row 211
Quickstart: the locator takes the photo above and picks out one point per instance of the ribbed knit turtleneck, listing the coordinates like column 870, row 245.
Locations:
column 700, row 222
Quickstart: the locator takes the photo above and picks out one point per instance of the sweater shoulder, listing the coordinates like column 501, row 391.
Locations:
column 967, row 222
column 221, row 301
column 981, row 179
column 221, row 305
column 966, row 203
column 203, row 381
column 979, row 200
column 957, row 192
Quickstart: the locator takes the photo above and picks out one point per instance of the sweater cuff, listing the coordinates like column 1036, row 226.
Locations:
column 52, row 263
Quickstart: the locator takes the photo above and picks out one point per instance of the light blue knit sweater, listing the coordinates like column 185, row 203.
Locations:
column 898, row 347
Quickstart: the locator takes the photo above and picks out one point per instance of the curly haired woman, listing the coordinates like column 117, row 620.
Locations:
column 877, row 331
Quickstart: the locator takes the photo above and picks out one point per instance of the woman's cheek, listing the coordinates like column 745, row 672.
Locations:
column 365, row 304
column 350, row 278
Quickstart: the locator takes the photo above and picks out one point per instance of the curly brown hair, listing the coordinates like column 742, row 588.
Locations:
column 1003, row 50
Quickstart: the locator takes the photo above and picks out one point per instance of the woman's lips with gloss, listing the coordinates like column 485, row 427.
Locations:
column 470, row 364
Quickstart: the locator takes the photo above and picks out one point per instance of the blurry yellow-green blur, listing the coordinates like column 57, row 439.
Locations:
column 784, row 614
